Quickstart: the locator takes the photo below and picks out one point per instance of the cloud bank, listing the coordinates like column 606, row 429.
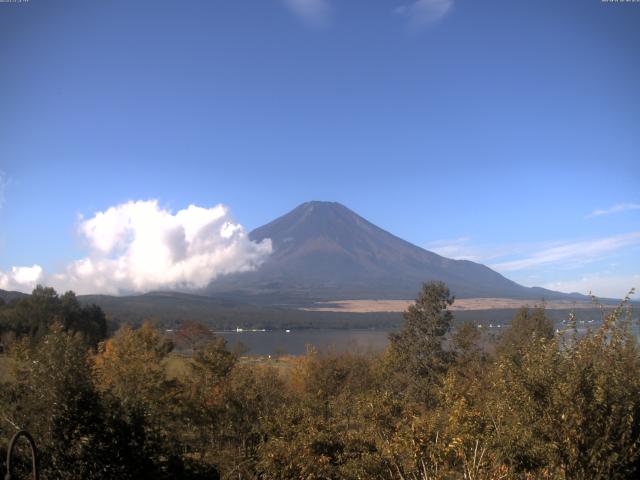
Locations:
column 314, row 13
column 422, row 13
column 620, row 207
column 139, row 246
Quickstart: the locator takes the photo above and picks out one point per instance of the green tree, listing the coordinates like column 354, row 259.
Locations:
column 33, row 316
column 418, row 350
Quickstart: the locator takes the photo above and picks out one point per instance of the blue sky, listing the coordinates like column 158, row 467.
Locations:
column 504, row 132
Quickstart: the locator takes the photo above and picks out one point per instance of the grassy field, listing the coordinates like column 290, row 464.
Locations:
column 462, row 304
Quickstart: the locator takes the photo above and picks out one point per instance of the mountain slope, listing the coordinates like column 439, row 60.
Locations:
column 324, row 251
column 9, row 296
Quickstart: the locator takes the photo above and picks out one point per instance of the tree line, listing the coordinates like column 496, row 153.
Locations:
column 438, row 403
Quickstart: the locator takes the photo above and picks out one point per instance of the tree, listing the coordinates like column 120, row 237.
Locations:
column 253, row 397
column 54, row 398
column 33, row 316
column 204, row 395
column 571, row 406
column 527, row 325
column 89, row 320
column 323, row 421
column 190, row 335
column 418, row 349
column 213, row 361
column 129, row 372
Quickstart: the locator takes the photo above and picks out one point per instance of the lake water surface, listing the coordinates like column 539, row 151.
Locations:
column 296, row 342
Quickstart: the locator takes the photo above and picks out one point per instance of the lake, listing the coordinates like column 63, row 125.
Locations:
column 295, row 341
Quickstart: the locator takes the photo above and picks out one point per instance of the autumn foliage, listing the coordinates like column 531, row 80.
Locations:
column 437, row 404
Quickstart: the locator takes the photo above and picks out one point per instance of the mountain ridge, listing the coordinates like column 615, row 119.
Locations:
column 9, row 295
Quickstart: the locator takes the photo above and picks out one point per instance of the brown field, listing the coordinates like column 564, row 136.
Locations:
column 369, row 306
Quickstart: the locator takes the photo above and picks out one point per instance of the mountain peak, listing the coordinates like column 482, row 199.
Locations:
column 324, row 250
column 328, row 223
column 320, row 206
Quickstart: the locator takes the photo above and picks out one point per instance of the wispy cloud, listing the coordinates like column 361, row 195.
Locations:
column 562, row 266
column 139, row 246
column 464, row 248
column 314, row 13
column 620, row 207
column 457, row 248
column 422, row 13
column 582, row 252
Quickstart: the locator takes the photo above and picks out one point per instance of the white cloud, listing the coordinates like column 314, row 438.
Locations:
column 313, row 12
column 139, row 246
column 620, row 207
column 581, row 252
column 603, row 285
column 22, row 279
column 422, row 13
